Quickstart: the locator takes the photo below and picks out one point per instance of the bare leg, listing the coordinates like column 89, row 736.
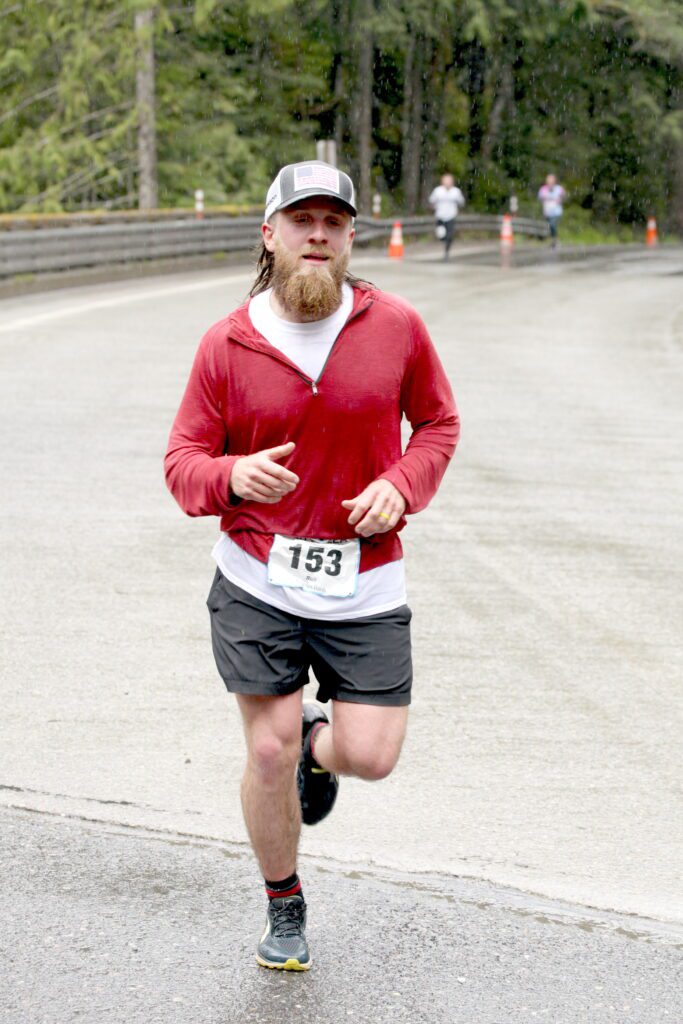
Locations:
column 364, row 740
column 272, row 728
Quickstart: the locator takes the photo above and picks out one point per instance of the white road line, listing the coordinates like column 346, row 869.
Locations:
column 116, row 300
column 59, row 312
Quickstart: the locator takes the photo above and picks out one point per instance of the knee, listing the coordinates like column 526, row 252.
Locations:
column 371, row 765
column 273, row 757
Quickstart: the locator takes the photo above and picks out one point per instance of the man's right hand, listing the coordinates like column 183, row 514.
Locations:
column 258, row 477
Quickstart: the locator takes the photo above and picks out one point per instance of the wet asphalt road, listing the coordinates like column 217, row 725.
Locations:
column 542, row 757
column 104, row 925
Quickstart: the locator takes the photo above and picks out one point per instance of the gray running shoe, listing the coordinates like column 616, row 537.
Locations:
column 283, row 943
column 317, row 787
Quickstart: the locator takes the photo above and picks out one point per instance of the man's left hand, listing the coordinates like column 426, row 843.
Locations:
column 377, row 509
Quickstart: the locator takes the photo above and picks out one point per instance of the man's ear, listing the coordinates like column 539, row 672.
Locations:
column 268, row 232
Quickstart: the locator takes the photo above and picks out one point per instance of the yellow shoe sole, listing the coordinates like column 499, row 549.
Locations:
column 288, row 965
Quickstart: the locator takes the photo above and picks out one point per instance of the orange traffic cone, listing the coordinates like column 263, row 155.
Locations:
column 507, row 238
column 396, row 242
column 651, row 237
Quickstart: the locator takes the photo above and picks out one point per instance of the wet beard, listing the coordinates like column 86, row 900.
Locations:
column 311, row 294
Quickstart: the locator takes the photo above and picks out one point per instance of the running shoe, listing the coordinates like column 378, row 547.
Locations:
column 283, row 943
column 317, row 787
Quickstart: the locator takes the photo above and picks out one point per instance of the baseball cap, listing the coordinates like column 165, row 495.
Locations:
column 309, row 178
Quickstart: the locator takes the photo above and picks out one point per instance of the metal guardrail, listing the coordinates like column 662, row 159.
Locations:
column 65, row 248
column 367, row 229
column 68, row 248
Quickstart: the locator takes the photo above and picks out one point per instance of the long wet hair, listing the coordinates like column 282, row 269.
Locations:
column 265, row 262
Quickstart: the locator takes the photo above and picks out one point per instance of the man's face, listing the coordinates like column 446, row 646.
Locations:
column 551, row 181
column 311, row 243
column 447, row 181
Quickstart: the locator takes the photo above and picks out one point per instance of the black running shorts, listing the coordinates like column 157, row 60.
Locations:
column 264, row 651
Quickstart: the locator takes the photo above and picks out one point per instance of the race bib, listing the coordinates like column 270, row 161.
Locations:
column 327, row 567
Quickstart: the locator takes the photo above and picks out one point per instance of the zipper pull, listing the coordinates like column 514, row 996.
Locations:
column 314, row 387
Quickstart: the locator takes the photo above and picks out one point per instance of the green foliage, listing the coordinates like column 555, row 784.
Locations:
column 498, row 91
column 579, row 227
column 67, row 114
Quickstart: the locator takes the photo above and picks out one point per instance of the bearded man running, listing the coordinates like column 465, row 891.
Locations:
column 290, row 432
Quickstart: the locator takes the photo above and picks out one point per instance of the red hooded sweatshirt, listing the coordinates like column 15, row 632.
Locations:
column 244, row 395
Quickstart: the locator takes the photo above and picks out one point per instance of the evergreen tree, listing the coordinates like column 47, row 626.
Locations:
column 220, row 94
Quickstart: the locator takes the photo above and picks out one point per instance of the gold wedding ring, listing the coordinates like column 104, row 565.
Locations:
column 383, row 515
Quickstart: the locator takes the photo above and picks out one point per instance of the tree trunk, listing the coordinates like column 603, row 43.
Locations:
column 433, row 121
column 678, row 190
column 365, row 83
column 339, row 22
column 475, row 84
column 407, row 112
column 412, row 136
column 504, row 94
column 144, row 83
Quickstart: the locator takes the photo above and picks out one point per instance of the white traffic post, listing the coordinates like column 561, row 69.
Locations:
column 326, row 150
column 199, row 203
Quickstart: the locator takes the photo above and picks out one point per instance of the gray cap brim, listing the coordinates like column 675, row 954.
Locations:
column 311, row 195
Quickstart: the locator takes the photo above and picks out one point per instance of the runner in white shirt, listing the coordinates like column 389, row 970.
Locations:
column 447, row 200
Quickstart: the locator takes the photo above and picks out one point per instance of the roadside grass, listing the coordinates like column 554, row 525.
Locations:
column 577, row 227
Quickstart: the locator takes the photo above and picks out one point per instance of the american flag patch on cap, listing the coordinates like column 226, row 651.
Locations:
column 316, row 176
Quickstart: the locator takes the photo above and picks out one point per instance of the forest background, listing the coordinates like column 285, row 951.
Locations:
column 113, row 105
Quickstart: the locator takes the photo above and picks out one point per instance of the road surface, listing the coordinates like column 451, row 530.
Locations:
column 545, row 579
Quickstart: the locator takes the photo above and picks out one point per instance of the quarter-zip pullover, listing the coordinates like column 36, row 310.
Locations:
column 244, row 395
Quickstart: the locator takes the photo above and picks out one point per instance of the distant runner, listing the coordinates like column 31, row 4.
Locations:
column 552, row 196
column 447, row 200
column 290, row 431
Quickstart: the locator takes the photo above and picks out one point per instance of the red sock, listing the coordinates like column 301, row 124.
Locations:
column 290, row 886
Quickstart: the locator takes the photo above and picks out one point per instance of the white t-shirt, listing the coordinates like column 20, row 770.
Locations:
column 552, row 198
column 446, row 202
column 379, row 590
column 307, row 345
